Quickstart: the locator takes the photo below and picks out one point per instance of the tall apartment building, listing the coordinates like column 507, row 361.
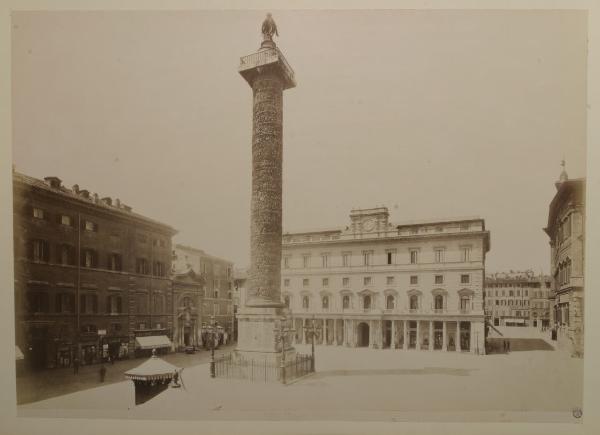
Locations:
column 566, row 229
column 209, row 291
column 517, row 298
column 91, row 276
column 417, row 285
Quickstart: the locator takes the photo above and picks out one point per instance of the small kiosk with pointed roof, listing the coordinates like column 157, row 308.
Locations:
column 151, row 377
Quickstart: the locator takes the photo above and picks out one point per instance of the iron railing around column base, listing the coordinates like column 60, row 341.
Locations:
column 230, row 366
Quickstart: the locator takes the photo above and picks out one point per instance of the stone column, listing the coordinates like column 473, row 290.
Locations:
column 457, row 337
column 472, row 340
column 405, row 335
column 345, row 326
column 268, row 74
column 393, row 343
column 267, row 154
column 418, row 335
column 444, row 338
column 430, row 335
column 335, row 341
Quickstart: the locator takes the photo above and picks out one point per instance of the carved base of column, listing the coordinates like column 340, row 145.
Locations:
column 257, row 336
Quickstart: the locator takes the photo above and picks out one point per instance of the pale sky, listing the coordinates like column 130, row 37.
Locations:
column 433, row 113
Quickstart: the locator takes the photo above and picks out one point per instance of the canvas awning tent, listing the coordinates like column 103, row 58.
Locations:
column 153, row 342
column 151, row 370
column 18, row 354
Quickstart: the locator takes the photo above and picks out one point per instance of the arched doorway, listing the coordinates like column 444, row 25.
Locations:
column 363, row 335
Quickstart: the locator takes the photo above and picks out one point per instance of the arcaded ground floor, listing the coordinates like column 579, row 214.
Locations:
column 356, row 384
column 412, row 333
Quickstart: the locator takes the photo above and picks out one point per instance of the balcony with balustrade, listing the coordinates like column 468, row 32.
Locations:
column 251, row 65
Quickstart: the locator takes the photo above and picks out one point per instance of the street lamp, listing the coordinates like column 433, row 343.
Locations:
column 281, row 334
column 311, row 331
column 212, row 346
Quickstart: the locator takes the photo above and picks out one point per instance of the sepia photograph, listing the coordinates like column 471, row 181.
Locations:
column 299, row 215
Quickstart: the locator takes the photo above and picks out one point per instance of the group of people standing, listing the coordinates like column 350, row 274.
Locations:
column 220, row 336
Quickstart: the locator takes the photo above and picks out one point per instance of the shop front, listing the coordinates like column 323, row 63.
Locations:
column 145, row 345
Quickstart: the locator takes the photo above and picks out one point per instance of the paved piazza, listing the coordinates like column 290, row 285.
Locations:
column 359, row 384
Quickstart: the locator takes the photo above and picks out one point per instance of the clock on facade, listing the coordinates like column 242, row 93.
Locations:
column 369, row 224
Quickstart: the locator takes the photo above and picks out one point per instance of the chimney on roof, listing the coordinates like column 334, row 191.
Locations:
column 117, row 202
column 75, row 188
column 96, row 198
column 107, row 200
column 85, row 193
column 53, row 182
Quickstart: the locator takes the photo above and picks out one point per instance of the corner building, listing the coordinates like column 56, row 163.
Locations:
column 566, row 230
column 417, row 285
column 91, row 276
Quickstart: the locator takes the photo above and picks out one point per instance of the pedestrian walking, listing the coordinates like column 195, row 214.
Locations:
column 508, row 345
column 102, row 373
column 76, row 366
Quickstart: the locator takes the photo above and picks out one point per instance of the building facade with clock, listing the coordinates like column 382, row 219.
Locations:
column 415, row 285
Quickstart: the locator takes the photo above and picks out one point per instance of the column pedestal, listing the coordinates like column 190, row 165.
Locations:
column 257, row 335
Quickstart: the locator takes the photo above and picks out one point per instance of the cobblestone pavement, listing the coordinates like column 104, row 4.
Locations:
column 40, row 385
column 359, row 384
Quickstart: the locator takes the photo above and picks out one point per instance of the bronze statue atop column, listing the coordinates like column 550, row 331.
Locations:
column 269, row 28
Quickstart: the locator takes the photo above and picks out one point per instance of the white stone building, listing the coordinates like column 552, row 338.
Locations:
column 384, row 285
